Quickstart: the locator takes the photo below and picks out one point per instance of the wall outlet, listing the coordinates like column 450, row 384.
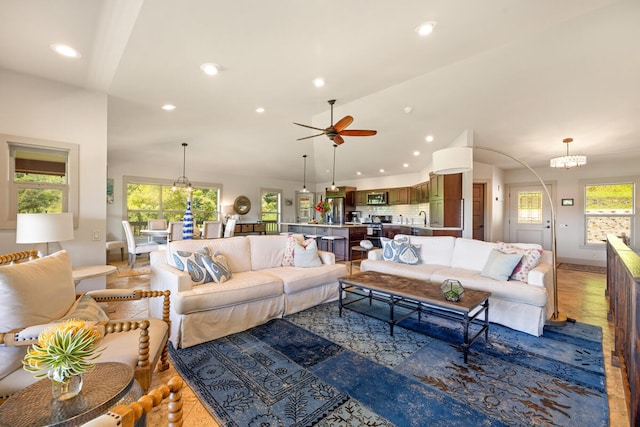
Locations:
column 96, row 235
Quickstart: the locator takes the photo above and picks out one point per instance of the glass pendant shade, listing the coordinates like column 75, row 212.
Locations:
column 568, row 161
column 183, row 181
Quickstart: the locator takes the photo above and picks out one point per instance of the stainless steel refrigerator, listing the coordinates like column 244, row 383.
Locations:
column 338, row 214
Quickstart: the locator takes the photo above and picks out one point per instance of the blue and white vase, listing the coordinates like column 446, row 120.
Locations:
column 187, row 223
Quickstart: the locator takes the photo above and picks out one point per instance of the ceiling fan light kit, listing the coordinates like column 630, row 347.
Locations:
column 568, row 161
column 336, row 131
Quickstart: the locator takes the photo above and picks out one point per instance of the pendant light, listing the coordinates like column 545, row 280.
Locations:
column 333, row 182
column 183, row 181
column 304, row 186
column 568, row 162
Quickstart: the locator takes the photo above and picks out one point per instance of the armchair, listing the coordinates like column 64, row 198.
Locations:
column 41, row 291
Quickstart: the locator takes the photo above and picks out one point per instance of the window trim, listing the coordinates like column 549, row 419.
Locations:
column 582, row 203
column 8, row 206
column 280, row 199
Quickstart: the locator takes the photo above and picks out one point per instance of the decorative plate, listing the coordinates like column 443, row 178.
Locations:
column 242, row 205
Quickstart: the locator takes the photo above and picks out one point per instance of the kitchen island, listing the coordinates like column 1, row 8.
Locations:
column 354, row 233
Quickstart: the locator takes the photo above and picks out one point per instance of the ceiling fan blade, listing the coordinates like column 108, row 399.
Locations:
column 307, row 137
column 310, row 127
column 338, row 140
column 355, row 132
column 343, row 123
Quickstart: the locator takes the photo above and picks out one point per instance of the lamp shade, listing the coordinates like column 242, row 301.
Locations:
column 452, row 160
column 44, row 227
column 227, row 209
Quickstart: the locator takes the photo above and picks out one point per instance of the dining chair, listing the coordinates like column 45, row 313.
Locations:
column 157, row 224
column 230, row 228
column 135, row 248
column 175, row 231
column 212, row 230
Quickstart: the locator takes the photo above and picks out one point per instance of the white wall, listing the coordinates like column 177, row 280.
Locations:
column 570, row 185
column 36, row 108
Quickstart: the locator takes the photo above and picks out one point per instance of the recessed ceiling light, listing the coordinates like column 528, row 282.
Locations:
column 381, row 170
column 408, row 110
column 426, row 28
column 358, row 173
column 210, row 68
column 65, row 50
column 168, row 107
column 319, row 82
column 327, row 171
column 259, row 110
column 405, row 165
column 416, row 153
column 428, row 138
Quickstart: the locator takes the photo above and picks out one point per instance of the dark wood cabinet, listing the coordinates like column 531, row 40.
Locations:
column 445, row 201
column 419, row 193
column 360, row 198
column 398, row 196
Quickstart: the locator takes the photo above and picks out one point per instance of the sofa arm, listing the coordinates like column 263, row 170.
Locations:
column 166, row 277
column 540, row 275
column 375, row 254
column 327, row 258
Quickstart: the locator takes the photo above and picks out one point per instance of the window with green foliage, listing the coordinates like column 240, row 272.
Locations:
column 40, row 179
column 608, row 209
column 270, row 205
column 147, row 201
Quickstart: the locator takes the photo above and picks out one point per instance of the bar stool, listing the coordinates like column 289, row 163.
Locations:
column 330, row 240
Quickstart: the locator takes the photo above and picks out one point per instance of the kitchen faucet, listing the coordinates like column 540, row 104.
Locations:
column 425, row 217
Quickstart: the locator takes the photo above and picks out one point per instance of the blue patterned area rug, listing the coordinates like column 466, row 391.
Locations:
column 316, row 368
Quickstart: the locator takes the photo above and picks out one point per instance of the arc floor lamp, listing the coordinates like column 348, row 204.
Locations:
column 460, row 159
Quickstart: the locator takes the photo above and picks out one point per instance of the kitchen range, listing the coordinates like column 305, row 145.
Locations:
column 374, row 228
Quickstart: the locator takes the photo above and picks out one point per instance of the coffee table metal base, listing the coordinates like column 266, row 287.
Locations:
column 401, row 307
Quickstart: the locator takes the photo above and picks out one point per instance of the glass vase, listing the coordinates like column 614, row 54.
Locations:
column 65, row 390
column 187, row 223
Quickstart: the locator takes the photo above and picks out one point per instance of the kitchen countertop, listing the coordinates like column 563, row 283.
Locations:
column 352, row 225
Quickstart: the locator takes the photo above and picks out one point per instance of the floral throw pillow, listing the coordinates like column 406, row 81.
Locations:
column 530, row 258
column 218, row 267
column 292, row 240
column 193, row 263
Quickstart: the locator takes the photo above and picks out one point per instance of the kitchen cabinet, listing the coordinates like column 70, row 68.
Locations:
column 360, row 198
column 419, row 193
column 398, row 196
column 445, row 201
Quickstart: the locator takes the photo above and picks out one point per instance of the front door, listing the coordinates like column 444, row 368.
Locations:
column 305, row 204
column 529, row 215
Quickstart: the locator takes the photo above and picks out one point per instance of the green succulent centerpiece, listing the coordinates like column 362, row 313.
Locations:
column 63, row 352
column 452, row 290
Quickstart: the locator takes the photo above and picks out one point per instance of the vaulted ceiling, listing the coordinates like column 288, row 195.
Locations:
column 521, row 74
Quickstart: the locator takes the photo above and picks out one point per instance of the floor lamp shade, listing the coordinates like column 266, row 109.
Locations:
column 452, row 160
column 44, row 227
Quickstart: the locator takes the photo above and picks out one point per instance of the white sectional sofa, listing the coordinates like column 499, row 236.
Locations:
column 523, row 306
column 259, row 289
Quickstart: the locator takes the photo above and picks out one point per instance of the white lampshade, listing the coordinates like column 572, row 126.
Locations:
column 227, row 209
column 44, row 227
column 452, row 160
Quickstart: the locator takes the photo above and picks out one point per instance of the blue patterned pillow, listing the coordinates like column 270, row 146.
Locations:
column 217, row 267
column 193, row 263
column 400, row 250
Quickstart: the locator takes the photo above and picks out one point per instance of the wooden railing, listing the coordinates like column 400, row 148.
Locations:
column 623, row 283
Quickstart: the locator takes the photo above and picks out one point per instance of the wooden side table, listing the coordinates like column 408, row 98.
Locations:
column 102, row 388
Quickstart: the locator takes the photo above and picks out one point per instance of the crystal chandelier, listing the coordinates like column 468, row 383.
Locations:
column 568, row 161
column 183, row 181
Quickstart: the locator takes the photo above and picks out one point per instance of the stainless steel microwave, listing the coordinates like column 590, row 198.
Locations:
column 377, row 198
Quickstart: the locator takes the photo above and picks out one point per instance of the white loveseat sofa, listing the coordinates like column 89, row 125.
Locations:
column 523, row 306
column 259, row 289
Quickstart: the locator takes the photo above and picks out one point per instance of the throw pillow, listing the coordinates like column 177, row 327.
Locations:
column 292, row 239
column 85, row 308
column 193, row 263
column 389, row 249
column 306, row 256
column 530, row 258
column 408, row 254
column 218, row 267
column 499, row 265
column 400, row 250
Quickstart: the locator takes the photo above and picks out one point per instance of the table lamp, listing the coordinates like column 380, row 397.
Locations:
column 227, row 210
column 44, row 228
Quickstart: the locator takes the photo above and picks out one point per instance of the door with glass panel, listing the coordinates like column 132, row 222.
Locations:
column 304, row 206
column 530, row 215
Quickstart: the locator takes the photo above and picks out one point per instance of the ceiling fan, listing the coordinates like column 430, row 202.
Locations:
column 338, row 130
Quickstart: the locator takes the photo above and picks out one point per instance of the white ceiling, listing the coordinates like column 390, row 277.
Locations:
column 521, row 74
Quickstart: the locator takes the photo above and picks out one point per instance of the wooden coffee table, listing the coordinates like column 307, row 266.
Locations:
column 407, row 296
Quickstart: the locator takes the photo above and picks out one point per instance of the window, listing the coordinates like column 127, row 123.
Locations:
column 146, row 200
column 42, row 177
column 530, row 207
column 608, row 209
column 270, row 205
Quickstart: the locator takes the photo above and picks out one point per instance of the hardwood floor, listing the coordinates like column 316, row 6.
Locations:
column 580, row 296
